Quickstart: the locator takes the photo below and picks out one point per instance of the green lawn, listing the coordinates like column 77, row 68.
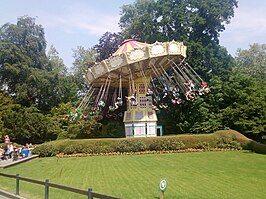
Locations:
column 213, row 175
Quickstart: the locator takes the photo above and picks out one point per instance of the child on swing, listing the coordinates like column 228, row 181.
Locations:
column 132, row 99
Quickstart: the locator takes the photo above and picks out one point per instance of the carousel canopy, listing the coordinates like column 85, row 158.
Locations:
column 129, row 45
column 134, row 60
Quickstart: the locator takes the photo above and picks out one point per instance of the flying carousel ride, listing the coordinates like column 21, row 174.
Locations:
column 138, row 80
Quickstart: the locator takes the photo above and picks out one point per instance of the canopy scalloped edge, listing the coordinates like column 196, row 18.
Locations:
column 160, row 54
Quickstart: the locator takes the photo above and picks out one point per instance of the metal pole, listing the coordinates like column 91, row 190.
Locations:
column 161, row 195
column 89, row 193
column 17, row 184
column 46, row 196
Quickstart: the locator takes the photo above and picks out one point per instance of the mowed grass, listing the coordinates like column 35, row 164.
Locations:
column 198, row 175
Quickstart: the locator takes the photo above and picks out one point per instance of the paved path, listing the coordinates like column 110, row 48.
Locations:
column 3, row 197
column 7, row 195
column 5, row 162
column 8, row 163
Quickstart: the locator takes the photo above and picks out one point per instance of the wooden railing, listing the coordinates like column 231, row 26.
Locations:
column 89, row 193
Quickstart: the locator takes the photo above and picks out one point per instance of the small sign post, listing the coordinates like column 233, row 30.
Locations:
column 163, row 185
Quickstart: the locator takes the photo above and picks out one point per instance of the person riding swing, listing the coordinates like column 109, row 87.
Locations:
column 117, row 104
column 132, row 99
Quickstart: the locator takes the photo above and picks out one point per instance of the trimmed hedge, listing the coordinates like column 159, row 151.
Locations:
column 225, row 139
column 257, row 147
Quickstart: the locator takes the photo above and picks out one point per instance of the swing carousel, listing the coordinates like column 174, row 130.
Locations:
column 143, row 78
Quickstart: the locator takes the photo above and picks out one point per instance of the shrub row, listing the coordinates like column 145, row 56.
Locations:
column 257, row 147
column 219, row 140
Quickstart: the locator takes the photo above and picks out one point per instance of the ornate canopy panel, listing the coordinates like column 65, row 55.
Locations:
column 133, row 58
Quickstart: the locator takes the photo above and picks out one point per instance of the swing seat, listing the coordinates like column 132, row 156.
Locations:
column 119, row 103
column 112, row 108
column 134, row 102
column 101, row 104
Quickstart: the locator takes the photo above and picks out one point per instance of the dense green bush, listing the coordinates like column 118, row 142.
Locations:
column 46, row 150
column 203, row 145
column 97, row 148
column 166, row 144
column 227, row 139
column 257, row 147
column 72, row 149
column 228, row 143
column 130, row 145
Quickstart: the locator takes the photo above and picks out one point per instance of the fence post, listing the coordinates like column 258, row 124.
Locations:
column 89, row 193
column 17, row 184
column 46, row 196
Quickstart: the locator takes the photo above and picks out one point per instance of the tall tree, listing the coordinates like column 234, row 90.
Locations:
column 63, row 85
column 6, row 105
column 22, row 53
column 56, row 63
column 250, row 74
column 245, row 110
column 28, row 37
column 108, row 44
column 84, row 58
column 26, row 72
column 140, row 21
column 31, row 83
column 197, row 20
column 253, row 60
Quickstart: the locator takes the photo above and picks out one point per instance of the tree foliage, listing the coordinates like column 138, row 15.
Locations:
column 252, row 61
column 246, row 110
column 31, row 82
column 56, row 63
column 26, row 72
column 83, row 58
column 108, row 44
column 28, row 37
column 29, row 124
column 184, row 20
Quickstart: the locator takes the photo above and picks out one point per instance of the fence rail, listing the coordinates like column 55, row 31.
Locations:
column 89, row 193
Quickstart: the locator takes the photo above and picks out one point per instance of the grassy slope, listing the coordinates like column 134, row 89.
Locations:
column 224, row 174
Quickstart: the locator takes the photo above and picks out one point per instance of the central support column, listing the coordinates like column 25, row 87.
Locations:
column 140, row 119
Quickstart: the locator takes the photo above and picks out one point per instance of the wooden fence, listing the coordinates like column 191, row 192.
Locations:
column 89, row 193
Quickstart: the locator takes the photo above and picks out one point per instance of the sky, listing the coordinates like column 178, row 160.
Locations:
column 71, row 23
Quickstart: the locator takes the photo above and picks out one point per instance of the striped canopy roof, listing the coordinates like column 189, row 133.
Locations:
column 128, row 45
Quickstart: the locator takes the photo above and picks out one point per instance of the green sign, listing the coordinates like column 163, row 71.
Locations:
column 163, row 185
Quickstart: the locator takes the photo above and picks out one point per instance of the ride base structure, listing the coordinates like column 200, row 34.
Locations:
column 144, row 77
column 140, row 119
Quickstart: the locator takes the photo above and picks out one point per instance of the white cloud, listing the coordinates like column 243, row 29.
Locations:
column 89, row 22
column 249, row 22
column 98, row 26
